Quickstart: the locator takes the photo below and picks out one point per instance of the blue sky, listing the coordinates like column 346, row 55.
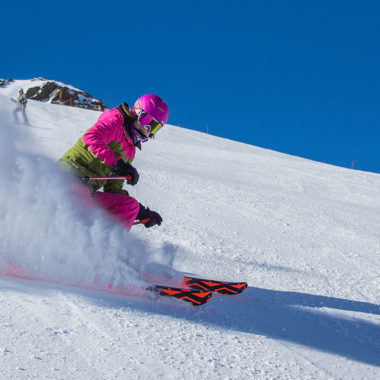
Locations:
column 299, row 77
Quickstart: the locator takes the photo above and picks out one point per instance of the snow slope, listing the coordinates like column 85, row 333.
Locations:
column 304, row 235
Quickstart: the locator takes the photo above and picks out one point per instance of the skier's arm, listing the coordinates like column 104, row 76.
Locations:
column 97, row 139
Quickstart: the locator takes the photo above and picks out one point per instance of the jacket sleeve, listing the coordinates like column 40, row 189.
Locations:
column 100, row 135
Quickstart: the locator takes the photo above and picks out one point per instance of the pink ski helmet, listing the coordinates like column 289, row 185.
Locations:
column 152, row 111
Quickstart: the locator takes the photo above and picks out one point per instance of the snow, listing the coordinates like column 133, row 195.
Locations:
column 304, row 235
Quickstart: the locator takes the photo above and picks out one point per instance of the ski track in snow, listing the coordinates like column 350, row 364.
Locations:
column 304, row 235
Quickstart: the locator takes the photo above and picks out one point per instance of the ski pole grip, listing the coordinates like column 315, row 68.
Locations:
column 142, row 221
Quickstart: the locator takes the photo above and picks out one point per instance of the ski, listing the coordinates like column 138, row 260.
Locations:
column 196, row 297
column 222, row 287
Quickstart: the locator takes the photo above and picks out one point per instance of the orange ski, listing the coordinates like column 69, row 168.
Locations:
column 196, row 297
column 222, row 287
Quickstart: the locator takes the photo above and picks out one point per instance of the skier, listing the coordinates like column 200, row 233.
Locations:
column 20, row 106
column 108, row 149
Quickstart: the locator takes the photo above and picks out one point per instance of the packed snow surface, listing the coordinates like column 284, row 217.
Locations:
column 304, row 235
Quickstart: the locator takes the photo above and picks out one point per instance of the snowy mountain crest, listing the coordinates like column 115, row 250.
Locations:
column 55, row 92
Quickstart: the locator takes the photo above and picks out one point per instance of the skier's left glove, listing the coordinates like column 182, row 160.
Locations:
column 145, row 213
column 124, row 169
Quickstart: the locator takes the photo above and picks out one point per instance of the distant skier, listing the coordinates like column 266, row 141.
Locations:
column 108, row 149
column 20, row 106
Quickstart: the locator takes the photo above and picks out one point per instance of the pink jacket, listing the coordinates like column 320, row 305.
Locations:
column 109, row 128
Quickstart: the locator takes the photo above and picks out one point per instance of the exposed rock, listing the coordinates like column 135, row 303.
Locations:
column 5, row 82
column 31, row 92
column 42, row 93
column 63, row 96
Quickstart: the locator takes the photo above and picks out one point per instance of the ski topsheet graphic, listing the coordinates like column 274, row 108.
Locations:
column 222, row 287
column 196, row 297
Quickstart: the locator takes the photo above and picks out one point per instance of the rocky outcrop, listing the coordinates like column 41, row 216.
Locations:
column 41, row 93
column 58, row 93
column 5, row 82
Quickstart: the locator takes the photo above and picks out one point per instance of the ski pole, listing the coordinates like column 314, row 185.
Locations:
column 128, row 177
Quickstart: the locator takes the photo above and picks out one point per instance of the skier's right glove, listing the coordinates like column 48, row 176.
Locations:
column 123, row 168
column 145, row 213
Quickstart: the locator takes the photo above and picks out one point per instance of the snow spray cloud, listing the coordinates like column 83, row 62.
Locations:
column 45, row 232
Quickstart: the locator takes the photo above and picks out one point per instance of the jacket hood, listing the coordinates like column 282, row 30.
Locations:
column 128, row 124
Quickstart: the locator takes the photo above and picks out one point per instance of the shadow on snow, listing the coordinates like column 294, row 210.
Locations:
column 317, row 322
column 289, row 316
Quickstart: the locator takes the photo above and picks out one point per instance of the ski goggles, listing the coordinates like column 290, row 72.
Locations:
column 149, row 122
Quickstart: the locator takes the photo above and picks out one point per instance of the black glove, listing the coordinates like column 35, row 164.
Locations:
column 123, row 168
column 145, row 213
